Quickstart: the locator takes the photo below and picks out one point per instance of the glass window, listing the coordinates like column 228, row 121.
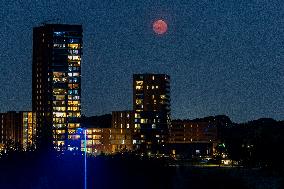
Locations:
column 139, row 87
column 74, row 46
column 59, row 108
column 139, row 83
column 139, row 101
column 59, row 91
column 59, row 114
column 59, row 97
column 73, row 92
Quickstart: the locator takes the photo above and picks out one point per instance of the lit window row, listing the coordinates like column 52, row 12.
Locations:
column 139, row 87
column 74, row 92
column 71, row 97
column 73, row 86
column 139, row 83
column 70, row 57
column 74, row 46
column 58, row 125
column 153, row 87
column 70, row 68
column 75, row 102
column 73, row 108
column 138, row 101
column 73, row 52
column 73, row 74
column 59, row 97
column 58, row 45
column 59, row 91
column 73, row 125
column 59, row 108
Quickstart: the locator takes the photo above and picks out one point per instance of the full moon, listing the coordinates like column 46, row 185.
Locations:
column 160, row 27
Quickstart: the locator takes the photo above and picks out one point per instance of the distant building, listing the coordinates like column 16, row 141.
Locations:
column 151, row 105
column 121, row 135
column 192, row 138
column 56, row 84
column 98, row 141
column 98, row 134
column 18, row 130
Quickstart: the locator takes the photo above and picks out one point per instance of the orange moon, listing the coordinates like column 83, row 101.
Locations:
column 160, row 27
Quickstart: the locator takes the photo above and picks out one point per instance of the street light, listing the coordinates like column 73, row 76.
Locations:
column 83, row 131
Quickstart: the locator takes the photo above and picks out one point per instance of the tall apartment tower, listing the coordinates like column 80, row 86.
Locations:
column 56, row 99
column 151, row 105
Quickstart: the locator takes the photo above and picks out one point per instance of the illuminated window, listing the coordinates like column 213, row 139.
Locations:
column 75, row 92
column 73, row 79
column 71, row 125
column 89, row 142
column 73, row 103
column 139, row 101
column 60, row 131
column 73, row 52
column 73, row 86
column 59, row 103
column 140, row 83
column 97, row 136
column 74, row 114
column 59, row 108
column 73, row 108
column 57, row 45
column 143, row 120
column 139, row 87
column 163, row 96
column 59, row 114
column 59, row 91
column 74, row 46
column 73, row 74
column 71, row 131
column 58, row 74
column 58, row 33
column 70, row 57
column 97, row 130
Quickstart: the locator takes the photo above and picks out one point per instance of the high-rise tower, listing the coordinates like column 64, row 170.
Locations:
column 151, row 105
column 56, row 99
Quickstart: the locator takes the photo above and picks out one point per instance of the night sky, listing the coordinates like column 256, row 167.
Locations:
column 224, row 57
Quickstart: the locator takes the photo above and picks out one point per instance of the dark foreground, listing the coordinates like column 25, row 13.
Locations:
column 112, row 172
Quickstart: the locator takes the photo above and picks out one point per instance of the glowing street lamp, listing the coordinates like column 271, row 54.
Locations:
column 83, row 131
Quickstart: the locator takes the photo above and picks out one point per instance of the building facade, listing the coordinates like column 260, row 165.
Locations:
column 121, row 132
column 192, row 138
column 151, row 105
column 17, row 130
column 56, row 84
column 97, row 141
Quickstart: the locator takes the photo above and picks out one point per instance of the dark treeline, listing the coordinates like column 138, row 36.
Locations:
column 256, row 143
